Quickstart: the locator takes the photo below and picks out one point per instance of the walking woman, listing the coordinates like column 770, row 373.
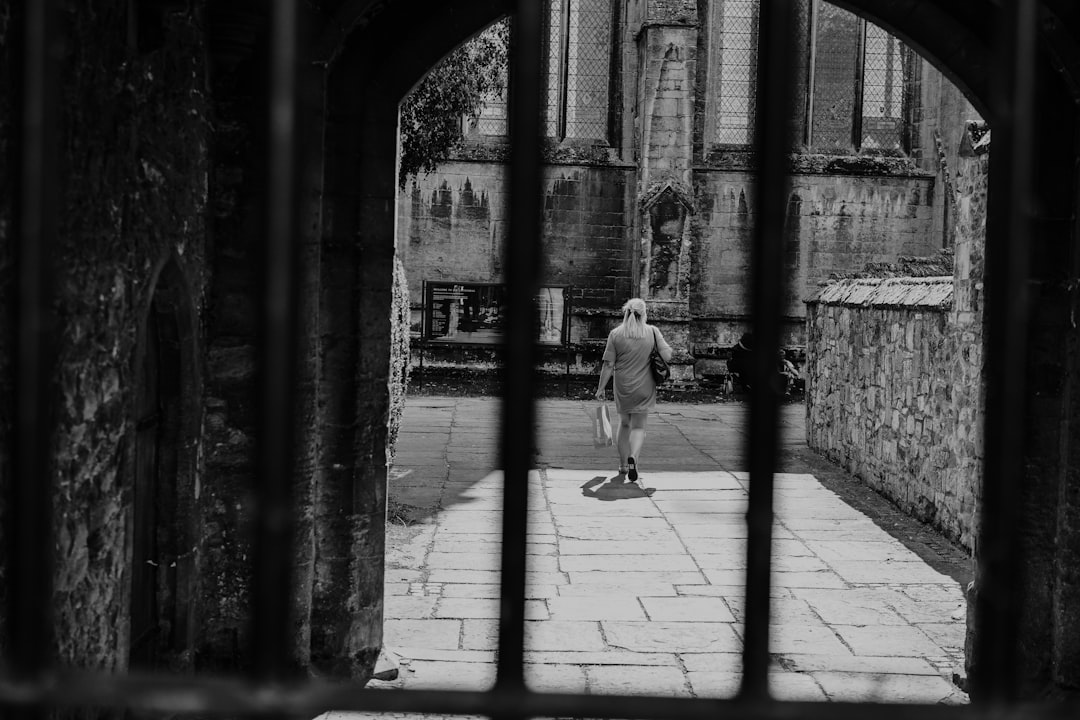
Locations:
column 626, row 358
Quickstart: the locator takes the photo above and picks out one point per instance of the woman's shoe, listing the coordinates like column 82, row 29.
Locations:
column 631, row 473
column 622, row 469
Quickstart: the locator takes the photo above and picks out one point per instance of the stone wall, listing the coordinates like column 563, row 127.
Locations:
column 452, row 227
column 131, row 201
column 161, row 168
column 941, row 114
column 675, row 12
column 237, row 171
column 837, row 223
column 887, row 395
column 894, row 373
column 452, row 224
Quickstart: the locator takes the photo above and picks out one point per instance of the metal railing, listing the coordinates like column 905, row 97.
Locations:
column 29, row 684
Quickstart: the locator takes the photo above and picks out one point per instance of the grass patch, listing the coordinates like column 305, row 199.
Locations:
column 399, row 513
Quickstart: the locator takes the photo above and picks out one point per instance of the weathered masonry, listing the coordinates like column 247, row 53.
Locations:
column 894, row 398
column 895, row 370
column 647, row 185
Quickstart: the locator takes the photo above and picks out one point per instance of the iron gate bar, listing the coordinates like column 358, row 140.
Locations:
column 519, row 374
column 1006, row 332
column 35, row 85
column 26, row 683
column 772, row 138
column 216, row 697
column 277, row 359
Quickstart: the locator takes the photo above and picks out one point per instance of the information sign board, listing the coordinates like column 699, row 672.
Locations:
column 473, row 313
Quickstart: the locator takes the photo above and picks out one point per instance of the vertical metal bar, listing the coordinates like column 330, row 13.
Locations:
column 1007, row 241
column 564, row 69
column 615, row 78
column 519, row 378
column 891, row 63
column 811, row 72
column 772, row 140
column 277, row 353
column 28, row 518
column 860, row 79
column 912, row 82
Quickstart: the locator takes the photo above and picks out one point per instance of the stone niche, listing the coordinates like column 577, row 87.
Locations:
column 665, row 268
column 665, row 243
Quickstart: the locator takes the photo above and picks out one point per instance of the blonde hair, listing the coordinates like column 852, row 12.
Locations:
column 634, row 313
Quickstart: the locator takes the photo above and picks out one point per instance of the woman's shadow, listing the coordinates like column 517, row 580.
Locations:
column 615, row 487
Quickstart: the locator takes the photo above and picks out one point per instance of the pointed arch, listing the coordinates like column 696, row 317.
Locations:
column 165, row 473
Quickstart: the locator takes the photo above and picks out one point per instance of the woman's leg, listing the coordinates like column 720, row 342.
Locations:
column 636, row 440
column 622, row 440
column 637, row 434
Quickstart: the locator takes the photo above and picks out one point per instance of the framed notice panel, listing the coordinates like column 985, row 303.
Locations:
column 472, row 313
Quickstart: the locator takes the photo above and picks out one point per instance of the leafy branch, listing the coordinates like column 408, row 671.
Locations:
column 459, row 86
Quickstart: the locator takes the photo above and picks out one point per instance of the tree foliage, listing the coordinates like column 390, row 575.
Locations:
column 459, row 86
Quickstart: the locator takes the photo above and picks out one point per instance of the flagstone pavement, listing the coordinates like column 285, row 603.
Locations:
column 637, row 588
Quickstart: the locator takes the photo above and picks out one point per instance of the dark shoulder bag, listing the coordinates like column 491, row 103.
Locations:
column 661, row 371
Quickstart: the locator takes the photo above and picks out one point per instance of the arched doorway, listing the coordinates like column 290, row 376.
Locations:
column 162, row 492
column 958, row 40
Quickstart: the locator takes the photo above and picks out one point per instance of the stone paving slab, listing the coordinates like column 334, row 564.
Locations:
column 666, row 636
column 861, row 687
column 635, row 680
column 638, row 588
column 687, row 609
column 618, row 586
column 463, row 608
column 605, row 657
column 596, row 607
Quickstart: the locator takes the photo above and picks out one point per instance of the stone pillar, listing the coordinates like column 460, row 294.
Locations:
column 357, row 263
column 668, row 44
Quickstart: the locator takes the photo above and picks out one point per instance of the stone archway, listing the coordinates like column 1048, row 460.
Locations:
column 374, row 52
column 390, row 47
column 164, row 483
column 386, row 46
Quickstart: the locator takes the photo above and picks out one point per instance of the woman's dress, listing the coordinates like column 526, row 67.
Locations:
column 634, row 387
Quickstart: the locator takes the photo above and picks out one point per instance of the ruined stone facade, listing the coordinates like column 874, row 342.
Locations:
column 895, row 371
column 656, row 201
column 885, row 400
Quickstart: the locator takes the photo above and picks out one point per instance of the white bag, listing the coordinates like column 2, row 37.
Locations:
column 601, row 427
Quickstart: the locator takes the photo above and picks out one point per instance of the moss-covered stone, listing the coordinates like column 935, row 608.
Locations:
column 400, row 315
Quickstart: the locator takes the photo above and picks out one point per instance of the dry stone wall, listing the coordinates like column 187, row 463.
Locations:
column 892, row 394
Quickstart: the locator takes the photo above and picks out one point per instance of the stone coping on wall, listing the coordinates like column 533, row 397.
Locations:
column 908, row 292
column 570, row 152
column 496, row 149
column 719, row 158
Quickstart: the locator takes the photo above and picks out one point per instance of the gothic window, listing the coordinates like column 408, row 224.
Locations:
column 883, row 89
column 491, row 120
column 579, row 37
column 578, row 78
column 858, row 73
column 733, row 71
column 858, row 76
